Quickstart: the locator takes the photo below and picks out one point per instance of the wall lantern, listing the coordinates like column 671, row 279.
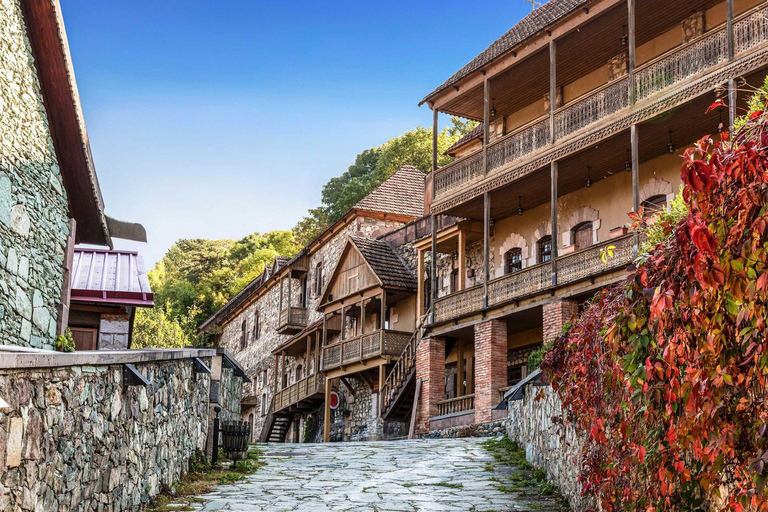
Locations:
column 588, row 182
column 671, row 146
column 628, row 163
column 520, row 206
column 493, row 107
column 625, row 37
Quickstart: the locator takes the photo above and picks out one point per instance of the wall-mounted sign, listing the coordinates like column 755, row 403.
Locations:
column 334, row 400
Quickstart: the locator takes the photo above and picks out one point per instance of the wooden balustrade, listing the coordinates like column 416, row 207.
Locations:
column 668, row 70
column 538, row 278
column 402, row 367
column 456, row 405
column 366, row 346
column 293, row 316
column 299, row 391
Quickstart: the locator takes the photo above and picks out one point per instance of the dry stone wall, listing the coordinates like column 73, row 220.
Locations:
column 77, row 438
column 33, row 205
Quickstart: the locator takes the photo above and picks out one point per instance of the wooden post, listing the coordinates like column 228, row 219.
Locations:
column 552, row 88
column 634, row 136
column 327, row 412
column 460, row 390
column 470, row 378
column 433, row 269
column 382, row 378
column 283, row 373
column 553, row 221
column 462, row 259
column 307, row 357
column 383, row 319
column 281, row 295
column 420, row 284
column 343, row 333
column 486, row 122
column 486, row 244
column 277, row 371
column 434, row 150
column 632, row 60
column 289, row 298
column 731, row 53
column 362, row 318
column 317, row 350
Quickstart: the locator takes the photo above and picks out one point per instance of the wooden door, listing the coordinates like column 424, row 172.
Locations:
column 85, row 337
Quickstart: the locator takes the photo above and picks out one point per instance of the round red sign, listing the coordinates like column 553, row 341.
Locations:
column 334, row 400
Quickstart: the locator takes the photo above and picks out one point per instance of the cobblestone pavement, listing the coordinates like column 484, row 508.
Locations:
column 404, row 476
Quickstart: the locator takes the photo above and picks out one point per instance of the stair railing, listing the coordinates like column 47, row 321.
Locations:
column 403, row 365
column 268, row 422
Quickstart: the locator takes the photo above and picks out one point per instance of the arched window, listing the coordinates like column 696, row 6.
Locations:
column 513, row 260
column 583, row 235
column 256, row 325
column 243, row 335
column 654, row 205
column 544, row 247
column 299, row 373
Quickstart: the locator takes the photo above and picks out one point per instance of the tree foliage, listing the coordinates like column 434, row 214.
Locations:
column 373, row 166
column 667, row 373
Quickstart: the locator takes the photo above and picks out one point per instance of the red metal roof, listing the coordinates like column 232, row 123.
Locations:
column 102, row 276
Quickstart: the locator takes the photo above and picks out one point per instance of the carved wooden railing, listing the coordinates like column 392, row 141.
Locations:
column 293, row 316
column 298, row 391
column 538, row 278
column 455, row 405
column 667, row 70
column 367, row 346
column 403, row 366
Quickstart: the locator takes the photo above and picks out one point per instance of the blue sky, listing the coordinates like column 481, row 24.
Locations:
column 219, row 119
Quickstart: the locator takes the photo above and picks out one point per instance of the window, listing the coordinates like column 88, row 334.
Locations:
column 264, row 404
column 454, row 280
column 654, row 205
column 256, row 325
column 303, row 292
column 319, row 279
column 264, row 378
column 299, row 373
column 285, row 380
column 513, row 260
column 243, row 335
column 582, row 235
column 545, row 249
column 515, row 374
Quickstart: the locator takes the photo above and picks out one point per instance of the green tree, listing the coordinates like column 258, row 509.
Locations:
column 157, row 328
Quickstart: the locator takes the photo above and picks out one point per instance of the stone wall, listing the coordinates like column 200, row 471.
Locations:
column 33, row 205
column 75, row 437
column 357, row 419
column 548, row 445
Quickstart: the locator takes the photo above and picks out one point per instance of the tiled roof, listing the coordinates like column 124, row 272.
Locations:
column 402, row 193
column 110, row 277
column 476, row 133
column 538, row 20
column 385, row 263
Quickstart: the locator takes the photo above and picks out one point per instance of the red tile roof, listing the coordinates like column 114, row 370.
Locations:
column 110, row 277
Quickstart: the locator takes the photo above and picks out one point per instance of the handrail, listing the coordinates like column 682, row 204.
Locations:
column 455, row 405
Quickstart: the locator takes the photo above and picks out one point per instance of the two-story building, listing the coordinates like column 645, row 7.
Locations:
column 585, row 108
column 287, row 326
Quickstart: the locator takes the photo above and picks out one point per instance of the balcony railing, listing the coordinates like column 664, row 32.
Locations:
column 292, row 320
column 536, row 279
column 367, row 346
column 670, row 69
column 456, row 405
column 299, row 391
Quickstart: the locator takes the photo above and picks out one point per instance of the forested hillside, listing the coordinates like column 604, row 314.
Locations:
column 198, row 276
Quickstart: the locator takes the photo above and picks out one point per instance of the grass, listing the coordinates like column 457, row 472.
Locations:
column 201, row 479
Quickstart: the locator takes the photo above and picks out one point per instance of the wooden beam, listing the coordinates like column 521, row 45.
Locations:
column 552, row 88
column 433, row 268
column 420, row 284
column 462, row 260
column 327, row 412
column 416, row 396
column 731, row 52
column 553, row 221
column 347, row 385
column 486, row 244
column 486, row 122
column 635, row 141
column 383, row 319
column 632, row 59
column 382, row 379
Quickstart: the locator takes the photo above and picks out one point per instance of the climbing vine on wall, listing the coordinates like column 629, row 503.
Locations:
column 667, row 372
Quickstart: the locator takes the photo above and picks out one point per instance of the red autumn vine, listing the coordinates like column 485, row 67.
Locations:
column 667, row 372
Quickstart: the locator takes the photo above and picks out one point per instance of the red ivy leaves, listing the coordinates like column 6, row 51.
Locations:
column 667, row 372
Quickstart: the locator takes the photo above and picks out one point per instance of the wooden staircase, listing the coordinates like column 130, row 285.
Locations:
column 398, row 393
column 276, row 426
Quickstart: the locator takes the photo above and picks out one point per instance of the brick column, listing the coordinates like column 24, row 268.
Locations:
column 490, row 367
column 430, row 369
column 556, row 314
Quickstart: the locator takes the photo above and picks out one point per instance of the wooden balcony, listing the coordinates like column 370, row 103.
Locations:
column 456, row 405
column 533, row 280
column 303, row 395
column 292, row 320
column 653, row 80
column 362, row 348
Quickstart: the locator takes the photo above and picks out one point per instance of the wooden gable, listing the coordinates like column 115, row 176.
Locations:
column 352, row 275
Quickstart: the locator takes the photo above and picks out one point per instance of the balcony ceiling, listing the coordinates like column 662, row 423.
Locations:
column 579, row 53
column 688, row 123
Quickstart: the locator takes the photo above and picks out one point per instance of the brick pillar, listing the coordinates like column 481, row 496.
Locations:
column 490, row 367
column 556, row 314
column 430, row 369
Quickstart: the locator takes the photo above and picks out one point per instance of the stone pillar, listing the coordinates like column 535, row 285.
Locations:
column 430, row 370
column 490, row 367
column 556, row 314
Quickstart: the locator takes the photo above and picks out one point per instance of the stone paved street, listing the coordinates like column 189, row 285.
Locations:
column 435, row 475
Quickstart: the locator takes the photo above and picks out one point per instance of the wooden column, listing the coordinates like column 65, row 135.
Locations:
column 283, row 373
column 281, row 296
column 383, row 319
column 460, row 390
column 552, row 88
column 635, row 137
column 470, row 378
column 307, row 357
column 434, row 150
column 362, row 318
column 486, row 122
column 289, row 296
column 317, row 350
column 420, row 284
column 382, row 378
column 433, row 269
column 553, row 221
column 327, row 412
column 486, row 244
column 343, row 334
column 277, row 371
column 462, row 259
column 632, row 60
column 731, row 53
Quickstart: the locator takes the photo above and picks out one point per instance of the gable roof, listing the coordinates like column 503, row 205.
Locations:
column 402, row 193
column 538, row 20
column 476, row 133
column 110, row 277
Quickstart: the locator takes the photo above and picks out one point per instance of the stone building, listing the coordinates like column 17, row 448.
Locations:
column 543, row 187
column 282, row 304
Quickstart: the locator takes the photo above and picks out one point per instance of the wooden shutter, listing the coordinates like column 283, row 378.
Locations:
column 85, row 337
